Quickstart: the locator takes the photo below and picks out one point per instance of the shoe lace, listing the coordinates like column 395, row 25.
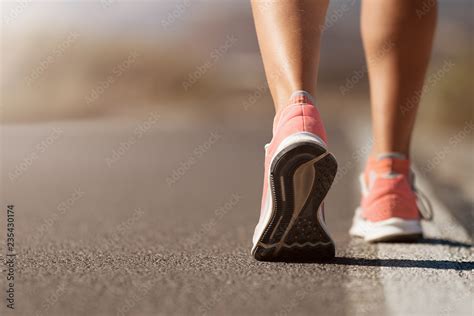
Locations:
column 424, row 205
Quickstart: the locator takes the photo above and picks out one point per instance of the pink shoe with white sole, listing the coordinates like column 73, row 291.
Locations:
column 299, row 171
column 389, row 209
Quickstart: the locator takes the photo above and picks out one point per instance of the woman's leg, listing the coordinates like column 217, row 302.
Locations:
column 289, row 35
column 298, row 166
column 397, row 37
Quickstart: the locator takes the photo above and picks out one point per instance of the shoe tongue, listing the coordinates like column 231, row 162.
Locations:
column 301, row 96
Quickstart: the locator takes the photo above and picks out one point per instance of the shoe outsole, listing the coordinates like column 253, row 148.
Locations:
column 298, row 235
column 393, row 229
column 399, row 238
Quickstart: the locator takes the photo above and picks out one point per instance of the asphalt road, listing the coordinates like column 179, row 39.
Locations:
column 164, row 226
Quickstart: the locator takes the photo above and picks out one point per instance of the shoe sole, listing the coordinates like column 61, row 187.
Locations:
column 300, row 177
column 401, row 238
column 390, row 230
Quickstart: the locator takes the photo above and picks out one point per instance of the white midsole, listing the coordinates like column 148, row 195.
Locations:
column 268, row 205
column 392, row 227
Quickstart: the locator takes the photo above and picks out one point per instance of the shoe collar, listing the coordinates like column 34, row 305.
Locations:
column 298, row 97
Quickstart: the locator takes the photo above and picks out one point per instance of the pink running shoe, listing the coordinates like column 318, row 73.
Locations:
column 299, row 171
column 389, row 210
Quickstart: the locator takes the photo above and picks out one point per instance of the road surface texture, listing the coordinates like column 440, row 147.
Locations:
column 142, row 217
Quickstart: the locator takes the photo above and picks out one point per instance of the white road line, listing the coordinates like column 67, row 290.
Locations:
column 425, row 290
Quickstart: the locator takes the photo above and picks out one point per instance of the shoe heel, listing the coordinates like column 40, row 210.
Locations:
column 301, row 176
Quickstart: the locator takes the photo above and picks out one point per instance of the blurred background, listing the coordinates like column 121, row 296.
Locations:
column 55, row 54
